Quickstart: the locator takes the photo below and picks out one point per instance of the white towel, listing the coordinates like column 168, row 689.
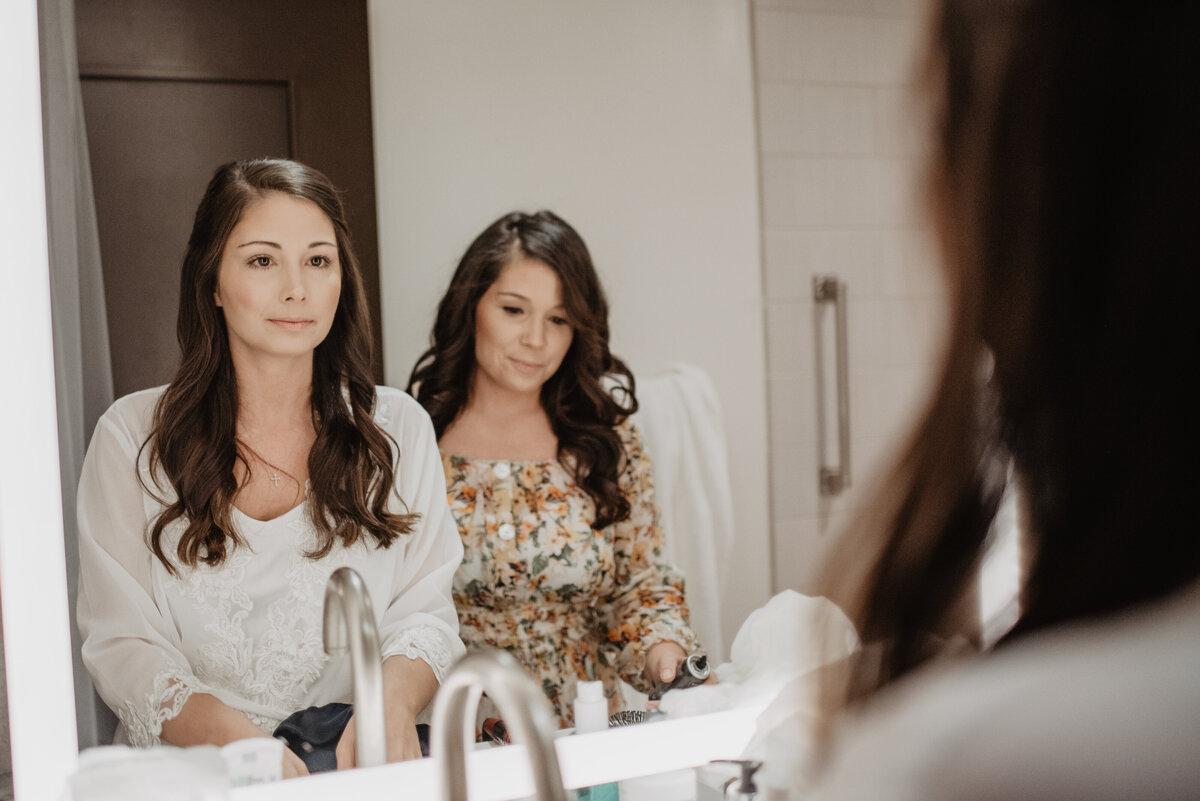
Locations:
column 791, row 636
column 682, row 430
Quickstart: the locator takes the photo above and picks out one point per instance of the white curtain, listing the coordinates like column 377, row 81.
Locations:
column 83, row 373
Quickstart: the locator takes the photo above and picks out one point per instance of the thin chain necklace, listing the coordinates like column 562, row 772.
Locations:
column 275, row 476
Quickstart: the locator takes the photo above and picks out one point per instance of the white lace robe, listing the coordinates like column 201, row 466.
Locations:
column 249, row 631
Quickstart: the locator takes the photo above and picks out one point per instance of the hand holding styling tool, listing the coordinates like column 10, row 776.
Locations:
column 691, row 671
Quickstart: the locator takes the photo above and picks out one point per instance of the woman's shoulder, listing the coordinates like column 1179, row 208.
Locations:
column 390, row 397
column 133, row 413
column 631, row 438
column 636, row 467
column 399, row 412
column 1108, row 693
column 627, row 430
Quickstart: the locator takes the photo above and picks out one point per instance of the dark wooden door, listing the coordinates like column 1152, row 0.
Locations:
column 171, row 90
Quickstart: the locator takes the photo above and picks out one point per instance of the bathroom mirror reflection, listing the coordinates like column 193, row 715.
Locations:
column 715, row 156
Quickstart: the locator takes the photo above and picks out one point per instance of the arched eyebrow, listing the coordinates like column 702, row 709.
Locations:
column 277, row 246
column 519, row 296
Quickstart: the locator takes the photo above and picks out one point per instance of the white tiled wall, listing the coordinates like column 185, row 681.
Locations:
column 838, row 153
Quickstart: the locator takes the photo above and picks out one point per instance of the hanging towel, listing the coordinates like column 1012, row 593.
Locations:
column 679, row 417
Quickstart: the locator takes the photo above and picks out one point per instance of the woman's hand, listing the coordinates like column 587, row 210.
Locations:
column 293, row 766
column 663, row 660
column 408, row 686
column 402, row 744
column 347, row 747
column 662, row 664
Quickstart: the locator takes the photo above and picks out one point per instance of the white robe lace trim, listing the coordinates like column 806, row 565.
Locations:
column 425, row 643
column 143, row 722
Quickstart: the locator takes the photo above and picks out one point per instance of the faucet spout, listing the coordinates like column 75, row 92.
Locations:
column 350, row 626
column 523, row 706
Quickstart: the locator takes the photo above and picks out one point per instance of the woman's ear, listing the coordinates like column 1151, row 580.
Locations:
column 217, row 295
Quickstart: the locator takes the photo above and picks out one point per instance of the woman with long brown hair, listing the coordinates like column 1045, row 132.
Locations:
column 547, row 479
column 1066, row 155
column 213, row 510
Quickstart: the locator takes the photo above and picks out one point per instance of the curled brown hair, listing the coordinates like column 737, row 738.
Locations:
column 583, row 412
column 193, row 440
column 1065, row 160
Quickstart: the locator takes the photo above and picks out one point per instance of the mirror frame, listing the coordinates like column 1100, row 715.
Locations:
column 37, row 643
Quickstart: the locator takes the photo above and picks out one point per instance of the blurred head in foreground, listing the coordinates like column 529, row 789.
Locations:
column 1061, row 180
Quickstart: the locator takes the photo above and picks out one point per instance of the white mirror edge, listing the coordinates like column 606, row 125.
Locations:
column 37, row 645
column 498, row 774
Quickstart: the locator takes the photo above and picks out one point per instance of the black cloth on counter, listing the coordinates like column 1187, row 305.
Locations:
column 313, row 735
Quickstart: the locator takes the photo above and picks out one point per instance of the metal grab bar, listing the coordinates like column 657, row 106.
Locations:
column 834, row 479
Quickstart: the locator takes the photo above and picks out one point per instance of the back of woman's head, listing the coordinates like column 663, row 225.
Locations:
column 581, row 409
column 1064, row 158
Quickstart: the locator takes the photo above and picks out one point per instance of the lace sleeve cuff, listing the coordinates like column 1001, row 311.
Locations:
column 143, row 720
column 426, row 643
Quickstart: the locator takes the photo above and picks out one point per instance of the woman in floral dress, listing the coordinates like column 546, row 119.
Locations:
column 547, row 479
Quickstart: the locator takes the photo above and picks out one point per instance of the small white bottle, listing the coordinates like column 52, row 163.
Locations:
column 591, row 715
column 591, row 707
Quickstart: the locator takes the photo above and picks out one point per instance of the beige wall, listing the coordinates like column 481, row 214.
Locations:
column 838, row 158
column 635, row 122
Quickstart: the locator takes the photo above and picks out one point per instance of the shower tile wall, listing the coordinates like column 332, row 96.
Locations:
column 839, row 154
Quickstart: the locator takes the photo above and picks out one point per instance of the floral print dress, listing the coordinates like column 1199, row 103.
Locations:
column 568, row 602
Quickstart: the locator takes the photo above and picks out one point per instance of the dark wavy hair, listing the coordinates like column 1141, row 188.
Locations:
column 193, row 440
column 1065, row 162
column 583, row 412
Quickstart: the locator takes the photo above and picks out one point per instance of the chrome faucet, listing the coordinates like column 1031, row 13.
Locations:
column 521, row 703
column 350, row 626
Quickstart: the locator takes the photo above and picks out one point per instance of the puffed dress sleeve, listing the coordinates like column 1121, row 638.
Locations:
column 420, row 621
column 131, row 645
column 648, row 604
